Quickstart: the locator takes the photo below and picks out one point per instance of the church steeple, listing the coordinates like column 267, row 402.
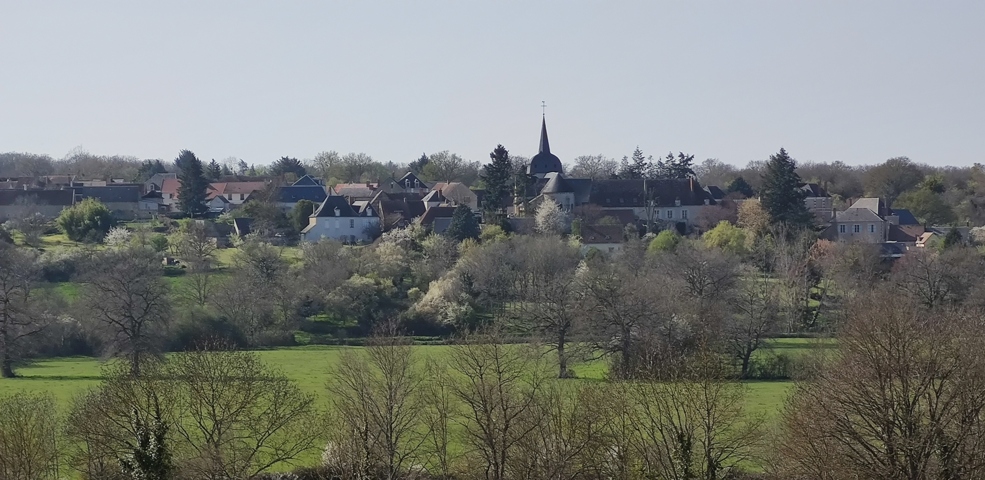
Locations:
column 545, row 146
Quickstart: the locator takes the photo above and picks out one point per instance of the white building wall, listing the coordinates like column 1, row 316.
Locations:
column 340, row 228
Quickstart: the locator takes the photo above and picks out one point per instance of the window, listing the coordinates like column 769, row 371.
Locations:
column 857, row 228
column 670, row 214
column 684, row 214
column 241, row 196
column 841, row 228
column 872, row 228
column 352, row 223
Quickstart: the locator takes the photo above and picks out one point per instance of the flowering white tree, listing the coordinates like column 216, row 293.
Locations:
column 118, row 237
column 549, row 219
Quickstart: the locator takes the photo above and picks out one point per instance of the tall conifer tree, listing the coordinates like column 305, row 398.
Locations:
column 781, row 196
column 498, row 176
column 194, row 187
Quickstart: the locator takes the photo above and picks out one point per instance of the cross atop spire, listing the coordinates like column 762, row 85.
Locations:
column 543, row 108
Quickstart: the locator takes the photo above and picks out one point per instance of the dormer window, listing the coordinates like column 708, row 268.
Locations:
column 677, row 202
column 338, row 213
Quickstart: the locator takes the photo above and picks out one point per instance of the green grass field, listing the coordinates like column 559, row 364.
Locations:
column 309, row 366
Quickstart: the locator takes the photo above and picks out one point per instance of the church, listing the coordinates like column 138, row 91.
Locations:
column 671, row 202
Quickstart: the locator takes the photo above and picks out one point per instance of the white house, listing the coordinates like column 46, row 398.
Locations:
column 336, row 219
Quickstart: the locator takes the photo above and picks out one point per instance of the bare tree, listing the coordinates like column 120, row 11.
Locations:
column 197, row 250
column 103, row 423
column 548, row 293
column 755, row 315
column 238, row 417
column 498, row 386
column 902, row 397
column 938, row 279
column 439, row 409
column 694, row 427
column 20, row 318
column 378, row 407
column 29, row 437
column 126, row 298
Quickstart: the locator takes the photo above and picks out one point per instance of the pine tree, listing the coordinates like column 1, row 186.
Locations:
column 498, row 176
column 741, row 186
column 678, row 167
column 781, row 196
column 288, row 165
column 193, row 188
column 639, row 166
column 417, row 166
column 214, row 171
column 463, row 224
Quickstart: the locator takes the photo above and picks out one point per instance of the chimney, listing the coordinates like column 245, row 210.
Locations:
column 691, row 182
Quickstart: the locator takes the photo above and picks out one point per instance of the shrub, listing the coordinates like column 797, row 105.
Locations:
column 88, row 221
column 665, row 241
column 61, row 265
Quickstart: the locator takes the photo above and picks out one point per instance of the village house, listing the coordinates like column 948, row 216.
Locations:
column 336, row 219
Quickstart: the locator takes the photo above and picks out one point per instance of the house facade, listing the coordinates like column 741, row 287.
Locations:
column 336, row 219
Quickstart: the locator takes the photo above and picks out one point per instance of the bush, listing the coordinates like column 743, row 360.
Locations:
column 88, row 221
column 196, row 327
column 665, row 241
column 61, row 265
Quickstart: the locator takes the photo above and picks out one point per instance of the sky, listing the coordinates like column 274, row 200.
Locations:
column 856, row 81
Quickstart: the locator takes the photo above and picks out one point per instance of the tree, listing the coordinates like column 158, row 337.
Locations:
column 901, row 397
column 596, row 167
column 19, row 316
column 86, row 221
column 754, row 315
column 638, row 167
column 781, row 196
column 150, row 458
column 951, row 239
column 239, row 417
column 498, row 176
column 29, row 433
column 463, row 224
column 286, row 165
column 665, row 241
column 193, row 187
column 549, row 218
column 214, row 171
column 127, row 301
column 727, row 237
column 927, row 205
column 417, row 166
column 740, row 186
column 148, row 168
column 890, row 179
column 377, row 404
column 678, row 168
column 497, row 385
column 197, row 250
column 300, row 214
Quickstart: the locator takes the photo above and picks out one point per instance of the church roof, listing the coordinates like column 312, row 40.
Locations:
column 544, row 161
column 557, row 184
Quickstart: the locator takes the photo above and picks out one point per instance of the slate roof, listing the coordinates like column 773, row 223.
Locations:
column 356, row 190
column 112, row 193
column 813, row 190
column 557, row 184
column 597, row 234
column 631, row 193
column 296, row 193
column 306, row 181
column 407, row 181
column 434, row 196
column 242, row 226
column 905, row 216
column 434, row 213
column 332, row 203
column 544, row 161
column 715, row 192
column 37, row 197
column 857, row 214
column 875, row 205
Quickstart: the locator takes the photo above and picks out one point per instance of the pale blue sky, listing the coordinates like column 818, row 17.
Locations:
column 857, row 81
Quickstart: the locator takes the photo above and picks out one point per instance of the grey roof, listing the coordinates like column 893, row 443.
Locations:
column 112, row 193
column 332, row 203
column 871, row 203
column 544, row 161
column 905, row 216
column 857, row 214
column 407, row 181
column 434, row 196
column 306, row 180
column 242, row 225
column 296, row 193
column 715, row 192
column 813, row 190
column 633, row 193
column 37, row 197
column 557, row 184
column 356, row 191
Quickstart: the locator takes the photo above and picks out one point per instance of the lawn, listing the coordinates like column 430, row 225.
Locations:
column 309, row 366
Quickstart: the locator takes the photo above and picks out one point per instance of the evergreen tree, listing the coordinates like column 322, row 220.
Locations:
column 741, row 186
column 300, row 214
column 149, row 459
column 193, row 188
column 638, row 167
column 148, row 168
column 242, row 168
column 678, row 167
column 781, row 196
column 214, row 171
column 951, row 239
column 498, row 176
column 288, row 165
column 417, row 166
column 226, row 170
column 463, row 224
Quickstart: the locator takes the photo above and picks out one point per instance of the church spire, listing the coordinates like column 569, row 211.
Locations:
column 545, row 146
